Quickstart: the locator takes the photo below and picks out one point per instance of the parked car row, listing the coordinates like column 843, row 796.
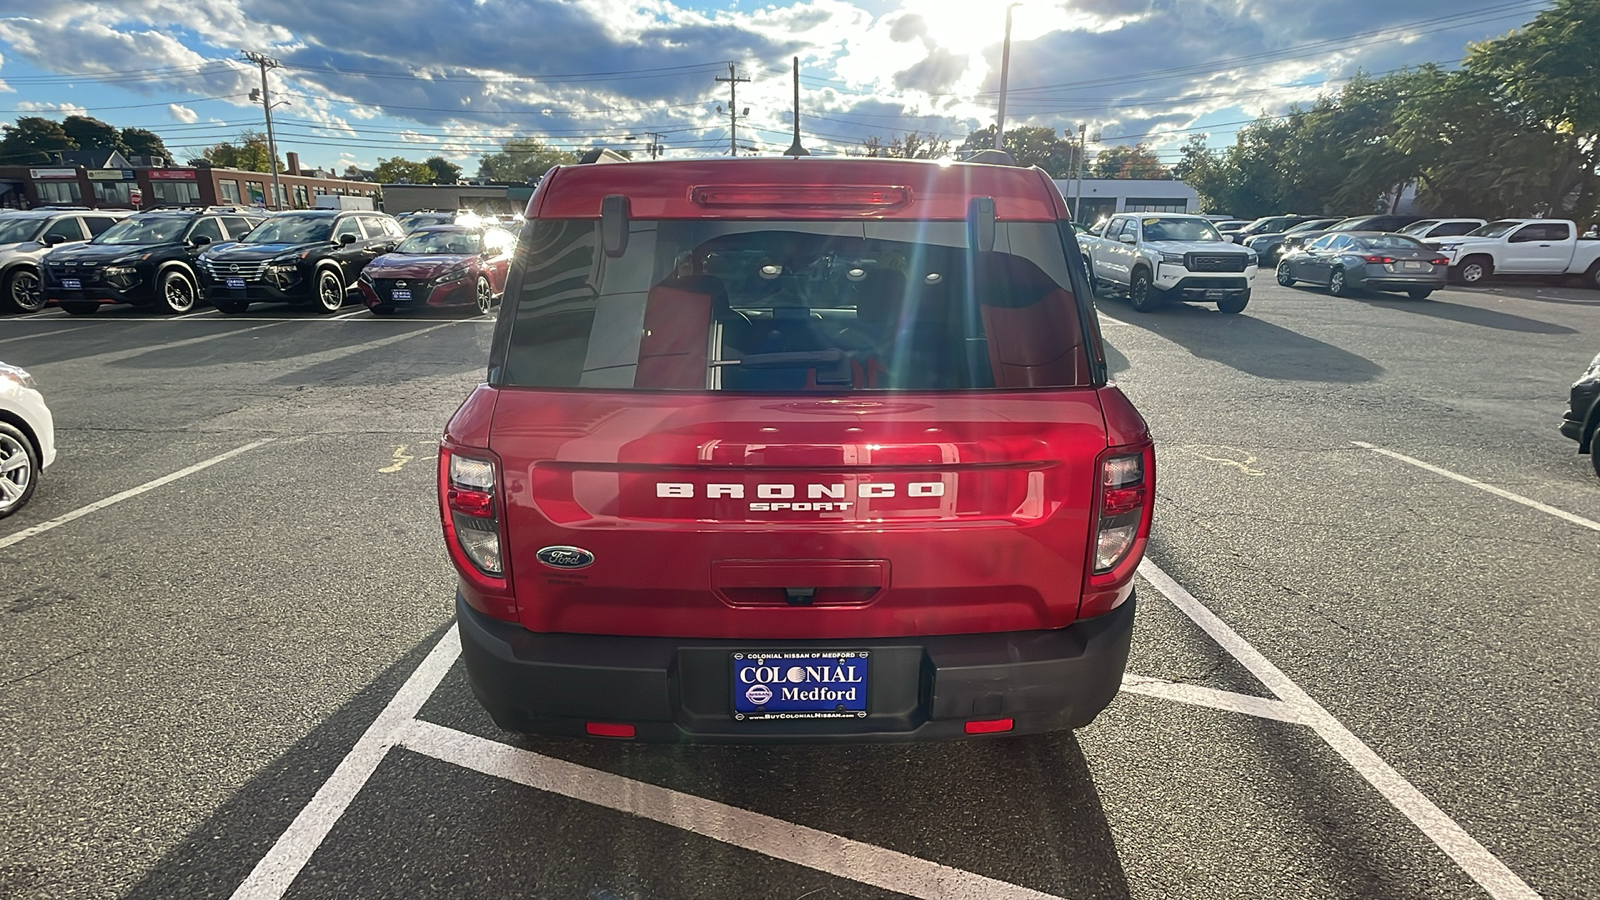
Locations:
column 172, row 260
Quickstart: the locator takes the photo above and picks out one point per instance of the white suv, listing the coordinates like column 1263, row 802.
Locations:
column 27, row 438
column 1155, row 257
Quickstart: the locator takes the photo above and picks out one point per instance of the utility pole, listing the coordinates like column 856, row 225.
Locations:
column 654, row 147
column 1005, row 72
column 795, row 149
column 1077, row 192
column 267, row 62
column 733, row 81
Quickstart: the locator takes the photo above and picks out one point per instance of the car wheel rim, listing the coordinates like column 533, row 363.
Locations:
column 1336, row 283
column 15, row 471
column 179, row 296
column 1472, row 273
column 1283, row 276
column 485, row 296
column 1139, row 290
column 25, row 291
column 332, row 297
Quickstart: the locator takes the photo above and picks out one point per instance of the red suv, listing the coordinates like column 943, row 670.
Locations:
column 796, row 450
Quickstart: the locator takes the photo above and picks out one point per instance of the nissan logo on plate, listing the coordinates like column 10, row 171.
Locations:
column 565, row 557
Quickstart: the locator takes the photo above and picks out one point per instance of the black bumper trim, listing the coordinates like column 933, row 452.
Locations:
column 677, row 690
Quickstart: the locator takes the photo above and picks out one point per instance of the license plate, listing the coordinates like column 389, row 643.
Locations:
column 1213, row 294
column 236, row 283
column 400, row 295
column 72, row 284
column 800, row 684
column 1413, row 265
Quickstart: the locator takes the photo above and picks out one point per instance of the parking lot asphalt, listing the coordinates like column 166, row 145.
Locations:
column 1354, row 675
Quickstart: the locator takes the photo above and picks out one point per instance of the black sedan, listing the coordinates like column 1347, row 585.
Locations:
column 1363, row 260
column 1583, row 413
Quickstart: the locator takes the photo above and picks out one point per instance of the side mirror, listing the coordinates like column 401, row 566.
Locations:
column 55, row 240
column 199, row 240
column 346, row 239
column 1126, row 238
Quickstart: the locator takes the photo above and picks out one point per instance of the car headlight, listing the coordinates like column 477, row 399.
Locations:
column 1251, row 258
column 18, row 376
column 117, row 271
column 456, row 274
column 1174, row 259
column 1590, row 374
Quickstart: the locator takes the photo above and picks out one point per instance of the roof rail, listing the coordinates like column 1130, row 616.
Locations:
column 601, row 155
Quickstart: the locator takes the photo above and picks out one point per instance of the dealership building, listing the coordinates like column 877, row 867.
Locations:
column 113, row 181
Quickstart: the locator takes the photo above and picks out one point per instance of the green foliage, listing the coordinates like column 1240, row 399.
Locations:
column 141, row 142
column 250, row 154
column 1030, row 146
column 33, row 140
column 399, row 170
column 444, row 171
column 911, row 145
column 523, row 160
column 90, row 133
column 1122, row 161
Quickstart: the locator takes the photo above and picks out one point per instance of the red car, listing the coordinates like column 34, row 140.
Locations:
column 796, row 450
column 440, row 266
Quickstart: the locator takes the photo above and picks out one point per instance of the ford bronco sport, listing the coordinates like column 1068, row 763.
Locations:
column 795, row 450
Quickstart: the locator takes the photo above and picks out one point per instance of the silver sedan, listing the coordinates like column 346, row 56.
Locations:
column 1353, row 261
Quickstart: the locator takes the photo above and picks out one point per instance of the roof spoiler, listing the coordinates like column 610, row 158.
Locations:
column 992, row 157
column 601, row 155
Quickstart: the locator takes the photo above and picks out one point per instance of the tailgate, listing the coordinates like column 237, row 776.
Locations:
column 772, row 517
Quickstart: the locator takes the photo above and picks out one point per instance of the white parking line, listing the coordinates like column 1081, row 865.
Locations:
column 82, row 511
column 27, row 337
column 1498, row 492
column 1211, row 698
column 1473, row 858
column 350, row 315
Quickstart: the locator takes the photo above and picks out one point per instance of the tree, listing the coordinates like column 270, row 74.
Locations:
column 523, row 160
column 33, row 140
column 141, row 142
column 444, row 171
column 911, row 145
column 1030, row 146
column 90, row 133
column 1122, row 161
column 399, row 170
column 250, row 154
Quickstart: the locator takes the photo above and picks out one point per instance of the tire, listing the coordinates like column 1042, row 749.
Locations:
column 1594, row 459
column 1419, row 293
column 328, row 293
column 231, row 307
column 23, row 291
column 1337, row 286
column 1284, row 278
column 176, row 292
column 19, row 469
column 1142, row 295
column 1232, row 306
column 1473, row 270
column 80, row 307
column 485, row 295
column 1592, row 277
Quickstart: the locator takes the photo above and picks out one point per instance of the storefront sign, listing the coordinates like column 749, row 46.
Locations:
column 110, row 174
column 53, row 173
column 172, row 175
column 136, row 197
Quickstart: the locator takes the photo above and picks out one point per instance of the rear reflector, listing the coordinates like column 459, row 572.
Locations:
column 607, row 729
column 989, row 726
column 822, row 195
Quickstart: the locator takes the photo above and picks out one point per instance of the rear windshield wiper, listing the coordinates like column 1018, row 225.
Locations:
column 833, row 366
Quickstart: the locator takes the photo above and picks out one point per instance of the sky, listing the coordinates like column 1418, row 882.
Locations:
column 362, row 81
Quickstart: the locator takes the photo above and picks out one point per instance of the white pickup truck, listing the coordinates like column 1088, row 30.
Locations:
column 1522, row 247
column 1155, row 257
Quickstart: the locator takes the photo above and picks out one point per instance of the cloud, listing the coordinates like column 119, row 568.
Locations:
column 938, row 72
column 62, row 109
column 183, row 113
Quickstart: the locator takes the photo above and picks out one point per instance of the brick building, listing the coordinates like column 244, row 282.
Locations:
column 116, row 182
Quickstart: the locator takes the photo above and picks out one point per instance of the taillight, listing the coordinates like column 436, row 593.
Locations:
column 815, row 195
column 1440, row 261
column 472, row 510
column 1379, row 259
column 1124, row 497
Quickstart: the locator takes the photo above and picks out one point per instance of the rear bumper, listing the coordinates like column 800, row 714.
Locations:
column 677, row 690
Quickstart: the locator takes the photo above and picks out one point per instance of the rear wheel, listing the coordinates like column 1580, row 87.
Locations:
column 1419, row 293
column 1473, row 270
column 23, row 292
column 231, row 307
column 176, row 292
column 80, row 307
column 19, row 466
column 1337, row 286
column 1233, row 305
column 330, row 292
column 1592, row 277
column 485, row 295
column 1285, row 278
column 1142, row 295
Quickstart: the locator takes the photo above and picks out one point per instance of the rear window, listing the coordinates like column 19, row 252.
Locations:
column 781, row 306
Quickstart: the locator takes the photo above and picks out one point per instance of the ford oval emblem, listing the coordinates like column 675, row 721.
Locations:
column 566, row 557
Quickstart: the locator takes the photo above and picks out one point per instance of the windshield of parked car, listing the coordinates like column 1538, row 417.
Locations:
column 291, row 229
column 1392, row 242
column 1495, row 229
column 19, row 230
column 1351, row 224
column 1419, row 228
column 145, row 230
column 425, row 242
column 772, row 306
column 1314, row 225
column 1179, row 230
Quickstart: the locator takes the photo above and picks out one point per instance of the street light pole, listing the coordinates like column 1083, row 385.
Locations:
column 1005, row 72
column 267, row 62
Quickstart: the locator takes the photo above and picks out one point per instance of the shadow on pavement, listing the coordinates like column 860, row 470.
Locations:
column 1467, row 315
column 1254, row 346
